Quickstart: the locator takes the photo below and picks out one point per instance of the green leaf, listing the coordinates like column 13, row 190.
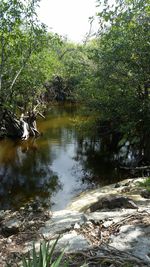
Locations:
column 35, row 259
column 52, row 249
column 56, row 263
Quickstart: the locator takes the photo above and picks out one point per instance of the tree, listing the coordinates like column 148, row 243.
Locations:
column 21, row 38
column 121, row 55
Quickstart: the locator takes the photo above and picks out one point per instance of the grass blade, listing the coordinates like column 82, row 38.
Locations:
column 58, row 260
column 35, row 257
column 52, row 249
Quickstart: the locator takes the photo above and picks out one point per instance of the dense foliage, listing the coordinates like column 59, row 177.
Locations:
column 27, row 54
column 28, row 57
column 119, row 87
column 109, row 74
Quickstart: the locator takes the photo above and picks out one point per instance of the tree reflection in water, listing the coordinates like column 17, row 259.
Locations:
column 60, row 164
column 98, row 163
column 25, row 174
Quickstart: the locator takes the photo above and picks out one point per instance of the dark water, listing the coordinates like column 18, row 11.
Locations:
column 55, row 167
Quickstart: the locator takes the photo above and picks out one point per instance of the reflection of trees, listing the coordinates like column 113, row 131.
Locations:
column 98, row 163
column 25, row 173
column 101, row 160
column 25, row 167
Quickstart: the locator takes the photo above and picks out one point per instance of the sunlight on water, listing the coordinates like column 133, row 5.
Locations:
column 53, row 168
column 42, row 168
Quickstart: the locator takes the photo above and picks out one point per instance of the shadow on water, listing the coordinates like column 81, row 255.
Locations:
column 55, row 167
column 24, row 171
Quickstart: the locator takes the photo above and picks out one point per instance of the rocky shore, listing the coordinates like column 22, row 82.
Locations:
column 108, row 226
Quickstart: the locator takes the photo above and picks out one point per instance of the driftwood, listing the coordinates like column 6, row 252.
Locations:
column 29, row 126
column 23, row 128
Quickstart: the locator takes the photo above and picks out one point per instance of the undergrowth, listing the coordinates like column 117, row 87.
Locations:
column 146, row 184
column 45, row 257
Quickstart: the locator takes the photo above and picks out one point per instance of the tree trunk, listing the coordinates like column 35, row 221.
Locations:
column 19, row 128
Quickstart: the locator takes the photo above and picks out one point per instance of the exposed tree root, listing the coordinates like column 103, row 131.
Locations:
column 22, row 127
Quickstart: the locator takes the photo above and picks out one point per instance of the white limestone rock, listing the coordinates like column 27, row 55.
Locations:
column 61, row 222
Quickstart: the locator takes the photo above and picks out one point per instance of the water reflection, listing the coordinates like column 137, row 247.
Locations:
column 24, row 171
column 97, row 161
column 55, row 167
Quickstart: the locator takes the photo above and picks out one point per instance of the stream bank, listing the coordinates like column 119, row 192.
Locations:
column 104, row 237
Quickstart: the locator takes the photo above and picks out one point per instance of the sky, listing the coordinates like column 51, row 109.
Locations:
column 68, row 17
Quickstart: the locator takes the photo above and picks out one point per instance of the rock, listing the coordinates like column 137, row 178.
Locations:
column 114, row 216
column 2, row 213
column 127, row 183
column 96, row 227
column 61, row 221
column 9, row 240
column 83, row 201
column 36, row 206
column 145, row 193
column 22, row 208
column 117, row 185
column 134, row 239
column 77, row 226
column 11, row 227
column 126, row 189
column 107, row 223
column 113, row 202
column 30, row 208
column 73, row 242
column 89, row 223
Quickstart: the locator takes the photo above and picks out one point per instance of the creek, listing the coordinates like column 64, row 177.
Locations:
column 55, row 167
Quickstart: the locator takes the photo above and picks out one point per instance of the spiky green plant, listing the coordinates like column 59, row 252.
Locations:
column 43, row 258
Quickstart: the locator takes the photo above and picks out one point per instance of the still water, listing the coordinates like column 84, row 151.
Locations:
column 55, row 167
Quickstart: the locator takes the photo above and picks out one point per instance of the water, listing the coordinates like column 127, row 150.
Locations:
column 55, row 167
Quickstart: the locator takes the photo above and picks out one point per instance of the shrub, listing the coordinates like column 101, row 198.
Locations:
column 146, row 184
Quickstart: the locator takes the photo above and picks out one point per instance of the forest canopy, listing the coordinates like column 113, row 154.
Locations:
column 108, row 74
